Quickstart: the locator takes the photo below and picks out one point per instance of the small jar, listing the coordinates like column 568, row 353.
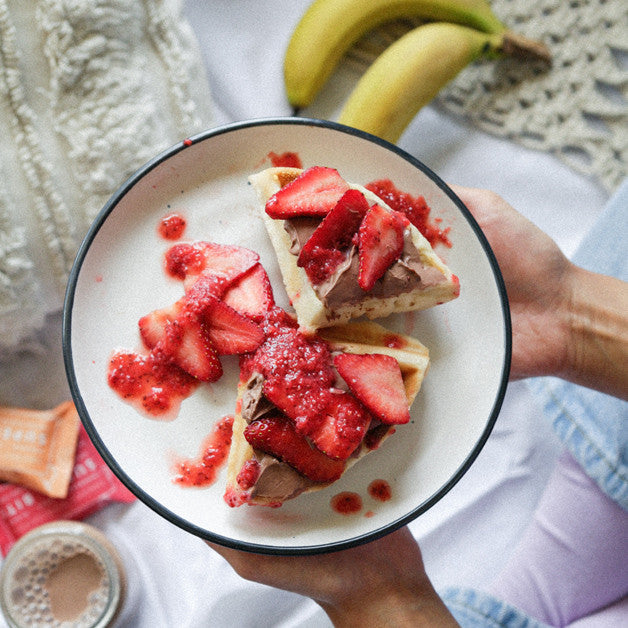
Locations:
column 64, row 573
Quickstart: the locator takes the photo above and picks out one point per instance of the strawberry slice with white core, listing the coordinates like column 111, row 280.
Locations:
column 343, row 426
column 188, row 260
column 204, row 291
column 326, row 248
column 231, row 333
column 380, row 243
column 275, row 435
column 197, row 328
column 186, row 343
column 193, row 349
column 152, row 326
column 376, row 380
column 251, row 294
column 313, row 193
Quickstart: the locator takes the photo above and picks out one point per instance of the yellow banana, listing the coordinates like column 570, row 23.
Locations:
column 409, row 74
column 330, row 27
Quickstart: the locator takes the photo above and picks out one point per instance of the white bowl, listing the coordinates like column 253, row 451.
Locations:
column 118, row 277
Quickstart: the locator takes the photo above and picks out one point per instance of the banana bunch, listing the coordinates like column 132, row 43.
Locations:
column 411, row 71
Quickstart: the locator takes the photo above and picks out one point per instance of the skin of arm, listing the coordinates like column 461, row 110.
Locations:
column 382, row 583
column 567, row 322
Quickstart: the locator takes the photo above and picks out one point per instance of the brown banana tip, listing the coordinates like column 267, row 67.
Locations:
column 519, row 46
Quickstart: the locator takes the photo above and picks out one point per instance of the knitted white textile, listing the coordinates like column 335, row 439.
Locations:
column 577, row 109
column 89, row 91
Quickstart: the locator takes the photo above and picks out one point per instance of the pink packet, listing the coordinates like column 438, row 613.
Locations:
column 92, row 486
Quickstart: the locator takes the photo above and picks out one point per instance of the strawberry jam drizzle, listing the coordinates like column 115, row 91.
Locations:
column 152, row 385
column 414, row 207
column 184, row 258
column 380, row 490
column 323, row 263
column 171, row 227
column 214, row 451
column 297, row 370
column 248, row 475
column 350, row 503
column 285, row 160
column 346, row 503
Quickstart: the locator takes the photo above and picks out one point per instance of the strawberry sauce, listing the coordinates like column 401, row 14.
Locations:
column 184, row 258
column 380, row 490
column 415, row 208
column 154, row 386
column 171, row 227
column 214, row 451
column 346, row 503
column 297, row 370
column 285, row 160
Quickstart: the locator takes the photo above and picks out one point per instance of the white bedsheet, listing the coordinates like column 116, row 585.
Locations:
column 174, row 580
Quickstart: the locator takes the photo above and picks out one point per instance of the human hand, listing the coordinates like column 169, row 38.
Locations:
column 536, row 274
column 566, row 321
column 382, row 583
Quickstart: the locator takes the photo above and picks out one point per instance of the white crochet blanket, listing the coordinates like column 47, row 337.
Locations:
column 89, row 91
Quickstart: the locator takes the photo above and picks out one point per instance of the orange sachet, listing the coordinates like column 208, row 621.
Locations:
column 37, row 447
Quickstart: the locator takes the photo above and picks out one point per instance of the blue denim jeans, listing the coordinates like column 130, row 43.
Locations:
column 593, row 427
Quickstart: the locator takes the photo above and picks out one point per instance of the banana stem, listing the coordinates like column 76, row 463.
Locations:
column 521, row 47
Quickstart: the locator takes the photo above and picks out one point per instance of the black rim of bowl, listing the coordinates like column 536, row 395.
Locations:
column 155, row 504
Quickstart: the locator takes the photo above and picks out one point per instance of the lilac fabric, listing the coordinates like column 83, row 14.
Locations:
column 573, row 558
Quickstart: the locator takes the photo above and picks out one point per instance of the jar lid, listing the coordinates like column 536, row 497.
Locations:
column 65, row 571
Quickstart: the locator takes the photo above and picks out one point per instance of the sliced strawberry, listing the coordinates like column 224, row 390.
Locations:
column 343, row 426
column 186, row 342
column 313, row 193
column 195, row 353
column 251, row 294
column 301, row 403
column 275, row 435
column 376, row 380
column 325, row 248
column 231, row 333
column 249, row 474
column 179, row 334
column 152, row 326
column 187, row 260
column 298, row 374
column 380, row 244
column 338, row 227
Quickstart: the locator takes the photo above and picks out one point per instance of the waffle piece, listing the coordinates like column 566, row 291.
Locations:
column 417, row 280
column 258, row 477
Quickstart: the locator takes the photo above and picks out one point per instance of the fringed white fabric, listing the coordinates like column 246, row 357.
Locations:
column 89, row 91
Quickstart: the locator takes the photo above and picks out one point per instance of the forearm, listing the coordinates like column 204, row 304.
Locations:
column 598, row 342
column 396, row 609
